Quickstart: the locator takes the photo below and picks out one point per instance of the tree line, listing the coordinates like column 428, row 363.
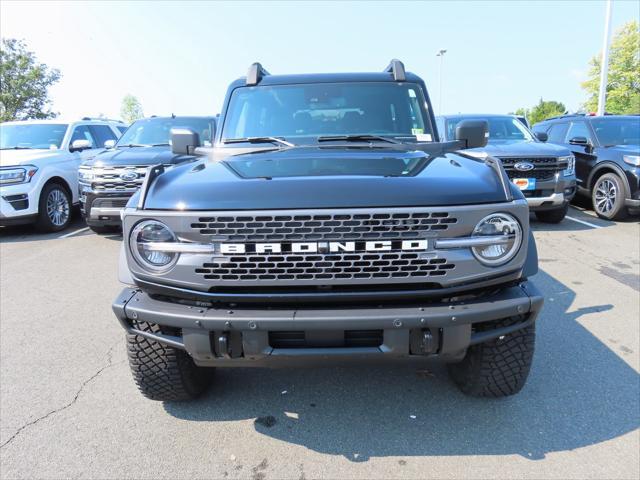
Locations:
column 25, row 82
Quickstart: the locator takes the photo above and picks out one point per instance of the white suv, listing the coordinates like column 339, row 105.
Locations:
column 39, row 162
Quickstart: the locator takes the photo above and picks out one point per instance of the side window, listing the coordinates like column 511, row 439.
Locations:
column 122, row 129
column 441, row 130
column 578, row 129
column 557, row 132
column 82, row 132
column 102, row 133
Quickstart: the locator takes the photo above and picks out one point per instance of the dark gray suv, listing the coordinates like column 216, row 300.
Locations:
column 545, row 173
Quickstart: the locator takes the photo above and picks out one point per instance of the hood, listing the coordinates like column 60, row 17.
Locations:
column 524, row 149
column 137, row 156
column 9, row 158
column 318, row 177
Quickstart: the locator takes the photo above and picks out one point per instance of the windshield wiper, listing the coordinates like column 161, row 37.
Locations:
column 159, row 144
column 356, row 138
column 276, row 140
column 16, row 148
column 132, row 145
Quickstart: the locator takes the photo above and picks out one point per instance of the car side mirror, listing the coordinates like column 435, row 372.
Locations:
column 184, row 141
column 79, row 145
column 473, row 133
column 582, row 141
column 543, row 137
column 109, row 144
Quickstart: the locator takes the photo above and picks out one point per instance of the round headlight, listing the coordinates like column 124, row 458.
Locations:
column 507, row 238
column 144, row 241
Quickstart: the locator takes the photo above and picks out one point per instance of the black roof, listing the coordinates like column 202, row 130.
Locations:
column 477, row 115
column 309, row 78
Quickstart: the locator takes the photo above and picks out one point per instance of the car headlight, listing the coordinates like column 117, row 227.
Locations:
column 85, row 174
column 508, row 235
column 571, row 165
column 13, row 176
column 632, row 160
column 144, row 245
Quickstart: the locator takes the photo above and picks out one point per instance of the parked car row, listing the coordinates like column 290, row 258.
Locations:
column 46, row 167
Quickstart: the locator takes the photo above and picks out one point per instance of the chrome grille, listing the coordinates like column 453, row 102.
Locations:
column 339, row 226
column 108, row 178
column 339, row 266
column 544, row 167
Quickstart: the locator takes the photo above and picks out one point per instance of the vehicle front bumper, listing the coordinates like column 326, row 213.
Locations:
column 551, row 194
column 103, row 209
column 19, row 203
column 241, row 336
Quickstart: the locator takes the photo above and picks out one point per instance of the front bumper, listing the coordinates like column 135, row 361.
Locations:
column 19, row 203
column 103, row 209
column 244, row 337
column 551, row 194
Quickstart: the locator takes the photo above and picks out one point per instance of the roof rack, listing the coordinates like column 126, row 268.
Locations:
column 255, row 74
column 396, row 67
column 565, row 115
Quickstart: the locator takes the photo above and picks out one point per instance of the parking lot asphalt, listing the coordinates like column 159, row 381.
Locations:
column 69, row 407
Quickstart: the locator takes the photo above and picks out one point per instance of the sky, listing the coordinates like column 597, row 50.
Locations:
column 179, row 57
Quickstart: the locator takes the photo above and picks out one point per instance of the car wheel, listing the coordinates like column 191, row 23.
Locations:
column 54, row 208
column 608, row 196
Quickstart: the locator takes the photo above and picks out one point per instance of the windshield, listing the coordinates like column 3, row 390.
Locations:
column 501, row 129
column 157, row 131
column 617, row 131
column 328, row 109
column 32, row 135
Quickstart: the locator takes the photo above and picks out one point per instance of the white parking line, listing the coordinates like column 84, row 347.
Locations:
column 588, row 224
column 71, row 234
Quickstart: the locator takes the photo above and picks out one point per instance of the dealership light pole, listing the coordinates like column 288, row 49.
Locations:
column 604, row 64
column 441, row 55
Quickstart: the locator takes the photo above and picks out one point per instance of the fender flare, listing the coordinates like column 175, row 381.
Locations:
column 530, row 267
column 612, row 166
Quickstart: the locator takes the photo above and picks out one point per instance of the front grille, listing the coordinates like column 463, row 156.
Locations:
column 323, row 227
column 108, row 179
column 325, row 268
column 544, row 167
column 110, row 202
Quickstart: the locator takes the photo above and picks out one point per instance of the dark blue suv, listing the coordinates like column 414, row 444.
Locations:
column 607, row 152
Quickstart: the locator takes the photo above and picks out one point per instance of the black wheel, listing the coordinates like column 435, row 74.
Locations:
column 102, row 230
column 553, row 216
column 164, row 373
column 608, row 196
column 497, row 368
column 54, row 208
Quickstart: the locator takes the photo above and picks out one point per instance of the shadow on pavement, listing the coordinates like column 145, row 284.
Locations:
column 579, row 393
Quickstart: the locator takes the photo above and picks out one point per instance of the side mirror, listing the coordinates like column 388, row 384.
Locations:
column 543, row 137
column 184, row 141
column 582, row 141
column 79, row 145
column 109, row 144
column 474, row 133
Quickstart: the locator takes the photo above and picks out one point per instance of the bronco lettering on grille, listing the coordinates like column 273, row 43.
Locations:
column 324, row 247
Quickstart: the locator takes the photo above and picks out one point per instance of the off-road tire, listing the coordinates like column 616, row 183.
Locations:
column 619, row 210
column 103, row 230
column 553, row 216
column 43, row 222
column 164, row 373
column 497, row 368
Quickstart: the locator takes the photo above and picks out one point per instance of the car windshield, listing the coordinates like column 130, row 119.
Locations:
column 157, row 131
column 617, row 131
column 32, row 135
column 328, row 109
column 501, row 129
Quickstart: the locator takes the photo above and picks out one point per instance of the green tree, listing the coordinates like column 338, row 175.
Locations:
column 623, row 83
column 24, row 83
column 543, row 110
column 131, row 109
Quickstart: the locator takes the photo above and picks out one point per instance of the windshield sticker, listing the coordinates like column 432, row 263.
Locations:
column 423, row 137
column 412, row 93
column 417, row 131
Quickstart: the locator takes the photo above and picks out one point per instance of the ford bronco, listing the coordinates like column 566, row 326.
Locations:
column 328, row 223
